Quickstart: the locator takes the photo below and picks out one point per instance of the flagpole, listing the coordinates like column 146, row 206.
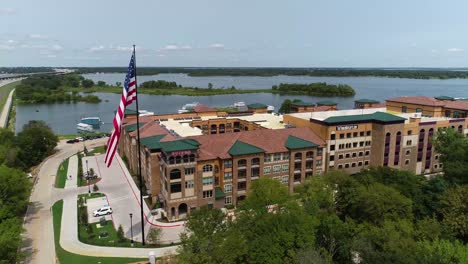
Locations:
column 139, row 154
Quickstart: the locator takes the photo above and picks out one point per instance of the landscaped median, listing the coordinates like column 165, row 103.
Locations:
column 70, row 258
column 61, row 177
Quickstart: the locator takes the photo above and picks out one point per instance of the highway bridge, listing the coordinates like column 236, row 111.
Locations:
column 25, row 75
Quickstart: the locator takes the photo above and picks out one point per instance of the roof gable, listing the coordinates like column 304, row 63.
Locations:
column 178, row 145
column 242, row 148
column 377, row 116
column 133, row 127
column 153, row 142
column 297, row 143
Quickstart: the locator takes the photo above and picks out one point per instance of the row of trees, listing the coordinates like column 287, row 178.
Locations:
column 17, row 154
column 315, row 89
column 380, row 215
column 53, row 88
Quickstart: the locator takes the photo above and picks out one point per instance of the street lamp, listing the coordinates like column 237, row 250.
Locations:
column 131, row 229
column 87, row 178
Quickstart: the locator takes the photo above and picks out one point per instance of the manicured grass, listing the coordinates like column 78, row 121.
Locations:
column 93, row 195
column 70, row 258
column 110, row 241
column 61, row 177
column 97, row 150
column 5, row 91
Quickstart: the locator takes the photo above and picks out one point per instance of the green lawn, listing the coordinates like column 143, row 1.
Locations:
column 66, row 257
column 93, row 195
column 5, row 91
column 61, row 176
column 97, row 150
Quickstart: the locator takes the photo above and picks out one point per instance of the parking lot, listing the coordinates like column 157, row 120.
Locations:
column 93, row 205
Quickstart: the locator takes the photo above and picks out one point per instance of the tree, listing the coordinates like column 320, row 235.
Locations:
column 87, row 83
column 454, row 210
column 453, row 148
column 210, row 86
column 119, row 84
column 8, row 148
column 101, row 83
column 14, row 192
column 35, row 142
column 265, row 193
column 10, row 240
column 285, row 107
column 154, row 235
column 120, row 234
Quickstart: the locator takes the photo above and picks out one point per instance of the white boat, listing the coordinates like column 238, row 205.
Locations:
column 270, row 108
column 145, row 113
column 95, row 121
column 82, row 127
column 241, row 106
column 187, row 108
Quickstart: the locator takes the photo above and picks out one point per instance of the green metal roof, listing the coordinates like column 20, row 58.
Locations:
column 177, row 145
column 219, row 193
column 242, row 148
column 326, row 103
column 303, row 104
column 443, row 97
column 256, row 106
column 133, row 127
column 297, row 143
column 130, row 112
column 377, row 116
column 367, row 101
column 152, row 142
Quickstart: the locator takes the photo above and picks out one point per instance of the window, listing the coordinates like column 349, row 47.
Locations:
column 266, row 170
column 208, row 194
column 207, row 168
column 368, row 133
column 175, row 174
column 347, row 155
column 189, row 184
column 361, row 153
column 342, row 136
column 242, row 163
column 407, row 162
column 255, row 161
column 277, row 157
column 340, row 167
column 332, row 157
column 340, row 156
column 353, row 164
column 403, row 109
column 228, row 176
column 332, row 136
column 355, row 144
column 354, row 154
column 348, row 135
column 418, row 110
column 228, row 200
column 332, row 147
column 346, row 165
column 367, row 153
column 409, row 142
column 286, row 156
column 176, row 187
column 355, row 134
column 276, row 168
column 360, row 163
column 410, row 132
column 228, row 164
column 285, row 179
column 228, row 188
column 207, row 180
column 285, row 167
column 361, row 134
column 266, row 158
column 366, row 162
column 241, row 186
column 189, row 171
column 408, row 152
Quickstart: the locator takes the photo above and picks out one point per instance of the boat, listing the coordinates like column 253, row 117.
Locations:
column 241, row 106
column 187, row 108
column 270, row 108
column 145, row 113
column 84, row 128
column 95, row 122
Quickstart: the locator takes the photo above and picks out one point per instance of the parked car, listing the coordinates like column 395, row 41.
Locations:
column 71, row 141
column 106, row 210
column 79, row 139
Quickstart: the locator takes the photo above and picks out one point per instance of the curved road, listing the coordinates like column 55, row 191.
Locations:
column 6, row 108
column 39, row 233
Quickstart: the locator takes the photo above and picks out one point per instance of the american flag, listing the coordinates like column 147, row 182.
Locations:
column 128, row 96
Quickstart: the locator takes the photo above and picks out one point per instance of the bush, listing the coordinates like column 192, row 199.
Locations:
column 120, row 234
column 83, row 215
column 95, row 188
column 154, row 235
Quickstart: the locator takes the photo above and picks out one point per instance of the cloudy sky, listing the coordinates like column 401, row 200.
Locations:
column 293, row 33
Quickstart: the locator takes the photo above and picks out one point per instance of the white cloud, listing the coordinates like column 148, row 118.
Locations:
column 51, row 56
column 6, row 47
column 216, row 46
column 173, row 47
column 97, row 48
column 455, row 50
column 57, row 47
column 7, row 11
column 10, row 41
column 434, row 50
column 37, row 36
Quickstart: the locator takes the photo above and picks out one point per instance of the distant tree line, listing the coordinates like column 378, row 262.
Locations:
column 21, row 70
column 319, row 72
column 159, row 84
column 53, row 88
column 18, row 153
column 315, row 89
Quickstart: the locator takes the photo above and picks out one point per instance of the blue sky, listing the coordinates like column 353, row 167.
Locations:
column 294, row 33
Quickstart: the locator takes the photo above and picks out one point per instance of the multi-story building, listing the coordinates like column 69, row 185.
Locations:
column 442, row 106
column 218, row 170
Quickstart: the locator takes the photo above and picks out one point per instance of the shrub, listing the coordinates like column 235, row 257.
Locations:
column 95, row 188
column 120, row 234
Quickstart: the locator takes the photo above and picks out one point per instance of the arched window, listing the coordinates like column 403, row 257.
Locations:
column 460, row 129
column 178, row 159
column 241, row 163
column 207, row 168
column 185, row 158
column 298, row 156
column 175, row 174
column 309, row 154
column 192, row 157
column 255, row 161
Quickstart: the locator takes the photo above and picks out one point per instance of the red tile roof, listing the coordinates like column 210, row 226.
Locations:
column 203, row 108
column 143, row 119
column 419, row 100
column 460, row 105
column 323, row 108
column 272, row 141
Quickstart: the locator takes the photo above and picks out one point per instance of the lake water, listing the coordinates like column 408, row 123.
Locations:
column 64, row 117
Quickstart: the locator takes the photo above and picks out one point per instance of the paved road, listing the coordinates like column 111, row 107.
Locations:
column 39, row 237
column 6, row 107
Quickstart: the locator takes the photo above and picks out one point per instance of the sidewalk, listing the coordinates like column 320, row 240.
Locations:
column 73, row 171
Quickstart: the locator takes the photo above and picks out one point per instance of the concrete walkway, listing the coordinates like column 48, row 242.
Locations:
column 72, row 183
column 6, row 110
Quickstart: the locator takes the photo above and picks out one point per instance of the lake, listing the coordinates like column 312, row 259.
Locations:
column 64, row 117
